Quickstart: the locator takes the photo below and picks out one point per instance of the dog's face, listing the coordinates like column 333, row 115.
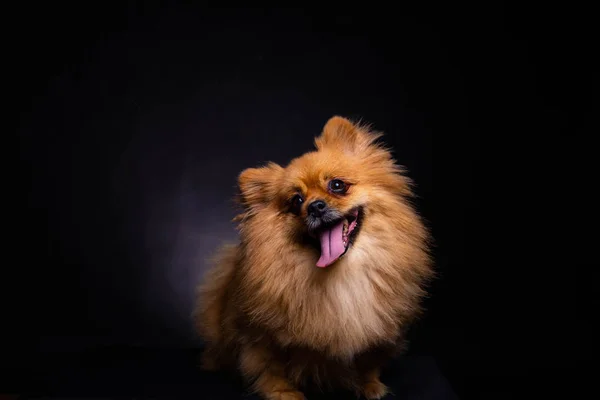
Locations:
column 321, row 201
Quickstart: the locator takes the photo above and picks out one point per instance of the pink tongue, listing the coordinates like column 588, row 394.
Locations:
column 332, row 245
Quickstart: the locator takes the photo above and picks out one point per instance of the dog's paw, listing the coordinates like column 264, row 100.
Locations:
column 285, row 395
column 374, row 389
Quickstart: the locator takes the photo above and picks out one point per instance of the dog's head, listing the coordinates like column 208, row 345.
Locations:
column 323, row 202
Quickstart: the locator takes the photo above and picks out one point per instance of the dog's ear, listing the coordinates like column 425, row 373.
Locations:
column 342, row 134
column 258, row 186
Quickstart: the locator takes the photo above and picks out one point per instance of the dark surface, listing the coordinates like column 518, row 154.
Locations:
column 173, row 374
column 134, row 121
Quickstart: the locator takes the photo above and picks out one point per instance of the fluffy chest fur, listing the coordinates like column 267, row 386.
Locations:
column 342, row 319
column 340, row 311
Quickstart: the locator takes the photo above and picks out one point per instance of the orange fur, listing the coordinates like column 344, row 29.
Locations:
column 267, row 309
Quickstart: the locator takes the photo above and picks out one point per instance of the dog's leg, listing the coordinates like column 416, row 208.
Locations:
column 371, row 387
column 369, row 366
column 258, row 364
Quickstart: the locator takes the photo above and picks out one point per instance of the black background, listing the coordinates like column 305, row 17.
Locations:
column 134, row 122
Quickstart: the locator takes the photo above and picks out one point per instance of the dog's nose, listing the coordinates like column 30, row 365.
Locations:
column 317, row 208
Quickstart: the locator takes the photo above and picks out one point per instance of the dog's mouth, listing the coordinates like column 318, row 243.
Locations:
column 336, row 237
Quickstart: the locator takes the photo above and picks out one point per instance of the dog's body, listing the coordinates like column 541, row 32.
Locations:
column 267, row 308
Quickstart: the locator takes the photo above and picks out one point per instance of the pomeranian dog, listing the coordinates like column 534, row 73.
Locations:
column 330, row 270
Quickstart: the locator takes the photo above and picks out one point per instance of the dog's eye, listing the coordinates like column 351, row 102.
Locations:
column 296, row 203
column 337, row 186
